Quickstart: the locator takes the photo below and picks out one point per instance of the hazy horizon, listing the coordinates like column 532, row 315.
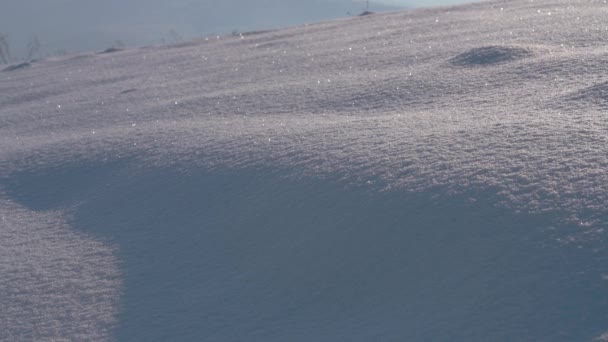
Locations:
column 70, row 26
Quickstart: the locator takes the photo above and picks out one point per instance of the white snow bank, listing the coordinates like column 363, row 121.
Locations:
column 439, row 174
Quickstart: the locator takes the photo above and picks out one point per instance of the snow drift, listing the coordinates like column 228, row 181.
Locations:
column 438, row 174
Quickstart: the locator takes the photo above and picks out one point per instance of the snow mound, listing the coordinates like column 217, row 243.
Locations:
column 111, row 50
column 490, row 55
column 596, row 94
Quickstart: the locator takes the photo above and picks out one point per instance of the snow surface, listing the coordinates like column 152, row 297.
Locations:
column 431, row 175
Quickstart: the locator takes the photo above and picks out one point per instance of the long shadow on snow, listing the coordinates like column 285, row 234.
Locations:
column 235, row 256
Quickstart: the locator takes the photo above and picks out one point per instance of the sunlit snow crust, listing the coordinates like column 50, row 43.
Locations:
column 432, row 175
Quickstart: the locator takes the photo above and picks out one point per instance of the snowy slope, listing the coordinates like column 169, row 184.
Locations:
column 433, row 175
column 81, row 25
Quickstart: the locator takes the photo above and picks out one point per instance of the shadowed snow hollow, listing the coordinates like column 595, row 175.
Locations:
column 433, row 175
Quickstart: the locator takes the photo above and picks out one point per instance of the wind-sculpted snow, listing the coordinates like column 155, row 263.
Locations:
column 596, row 94
column 432, row 175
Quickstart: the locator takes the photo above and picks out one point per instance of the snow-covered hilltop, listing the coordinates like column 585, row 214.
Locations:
column 430, row 175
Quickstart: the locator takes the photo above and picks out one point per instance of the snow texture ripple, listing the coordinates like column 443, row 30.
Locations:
column 430, row 175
